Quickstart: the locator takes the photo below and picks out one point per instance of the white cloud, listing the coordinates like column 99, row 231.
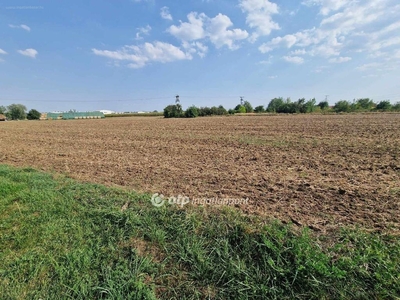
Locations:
column 195, row 48
column 298, row 52
column 264, row 48
column 220, row 35
column 294, row 59
column 200, row 26
column 272, row 77
column 140, row 56
column 2, row 51
column 327, row 6
column 259, row 16
column 22, row 26
column 338, row 60
column 165, row 14
column 346, row 26
column 142, row 30
column 192, row 30
column 28, row 52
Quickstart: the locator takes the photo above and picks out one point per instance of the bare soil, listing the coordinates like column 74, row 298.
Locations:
column 321, row 171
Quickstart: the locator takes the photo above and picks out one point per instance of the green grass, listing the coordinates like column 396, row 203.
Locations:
column 61, row 239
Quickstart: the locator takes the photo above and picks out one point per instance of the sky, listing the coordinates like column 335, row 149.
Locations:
column 136, row 55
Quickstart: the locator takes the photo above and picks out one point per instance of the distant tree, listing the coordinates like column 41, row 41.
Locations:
column 323, row 105
column 310, row 106
column 3, row 110
column 289, row 107
column 222, row 111
column 16, row 112
column 300, row 106
column 384, row 105
column 365, row 103
column 33, row 114
column 259, row 109
column 248, row 106
column 192, row 112
column 173, row 111
column 155, row 111
column 342, row 106
column 240, row 109
column 231, row 111
column 396, row 107
column 275, row 104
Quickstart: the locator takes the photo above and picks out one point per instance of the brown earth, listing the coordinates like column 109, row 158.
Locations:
column 321, row 171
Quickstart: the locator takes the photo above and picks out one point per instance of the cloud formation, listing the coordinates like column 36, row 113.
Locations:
column 216, row 30
column 28, row 52
column 22, row 26
column 139, row 56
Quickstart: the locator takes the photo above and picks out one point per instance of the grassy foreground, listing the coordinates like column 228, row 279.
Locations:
column 61, row 239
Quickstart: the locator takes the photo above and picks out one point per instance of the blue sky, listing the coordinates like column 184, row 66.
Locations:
column 130, row 55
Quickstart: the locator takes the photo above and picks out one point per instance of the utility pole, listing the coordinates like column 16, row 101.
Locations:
column 241, row 100
column 326, row 98
column 177, row 101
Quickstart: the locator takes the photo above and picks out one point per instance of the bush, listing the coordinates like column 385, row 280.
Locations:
column 365, row 104
column 192, row 112
column 33, row 114
column 323, row 105
column 173, row 111
column 384, row 105
column 248, row 106
column 16, row 112
column 259, row 109
column 342, row 106
column 240, row 109
column 396, row 107
column 275, row 105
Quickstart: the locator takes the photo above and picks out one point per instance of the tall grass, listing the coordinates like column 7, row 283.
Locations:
column 61, row 239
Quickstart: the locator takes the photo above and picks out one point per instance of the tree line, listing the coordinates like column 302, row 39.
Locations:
column 18, row 112
column 287, row 106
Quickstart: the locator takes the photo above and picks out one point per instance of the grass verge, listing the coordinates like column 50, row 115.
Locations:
column 61, row 239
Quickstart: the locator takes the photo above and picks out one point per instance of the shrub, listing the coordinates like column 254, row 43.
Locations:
column 33, row 114
column 173, row 111
column 342, row 106
column 16, row 112
column 259, row 109
column 192, row 112
column 323, row 105
column 240, row 109
column 275, row 105
column 384, row 105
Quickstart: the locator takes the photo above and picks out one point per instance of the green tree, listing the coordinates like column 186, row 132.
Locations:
column 192, row 112
column 173, row 111
column 33, row 114
column 16, row 112
column 365, row 103
column 248, row 106
column 240, row 109
column 342, row 106
column 310, row 105
column 275, row 105
column 3, row 110
column 259, row 109
column 222, row 111
column 396, row 107
column 323, row 105
column 384, row 105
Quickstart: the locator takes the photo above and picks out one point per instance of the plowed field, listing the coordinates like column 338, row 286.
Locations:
column 321, row 171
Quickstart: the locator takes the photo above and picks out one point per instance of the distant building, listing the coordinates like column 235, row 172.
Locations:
column 3, row 117
column 107, row 112
column 75, row 115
